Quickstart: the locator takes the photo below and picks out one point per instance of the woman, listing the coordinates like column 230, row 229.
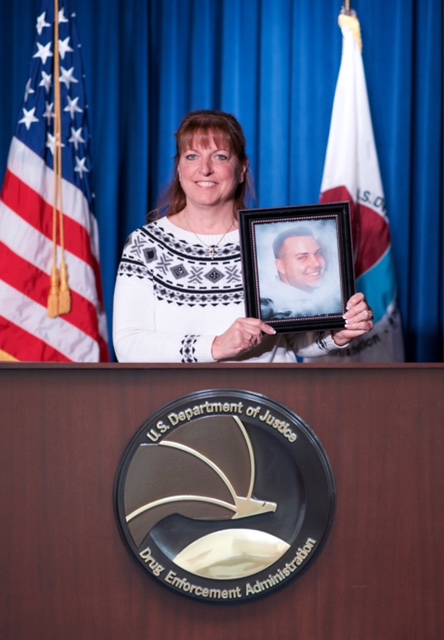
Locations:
column 179, row 294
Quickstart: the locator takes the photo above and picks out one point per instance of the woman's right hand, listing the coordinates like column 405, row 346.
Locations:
column 241, row 336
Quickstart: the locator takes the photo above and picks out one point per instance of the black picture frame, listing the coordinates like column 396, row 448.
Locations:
column 317, row 282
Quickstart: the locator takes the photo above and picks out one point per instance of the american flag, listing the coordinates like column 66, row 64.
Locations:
column 34, row 237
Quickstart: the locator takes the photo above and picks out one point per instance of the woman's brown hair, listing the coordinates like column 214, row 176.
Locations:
column 204, row 127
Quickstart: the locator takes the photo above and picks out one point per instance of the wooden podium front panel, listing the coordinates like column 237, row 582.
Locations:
column 67, row 575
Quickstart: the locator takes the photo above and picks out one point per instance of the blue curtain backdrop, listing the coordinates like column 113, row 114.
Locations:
column 274, row 64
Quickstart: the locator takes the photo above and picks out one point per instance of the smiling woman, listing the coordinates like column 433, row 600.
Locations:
column 209, row 176
column 205, row 141
column 179, row 292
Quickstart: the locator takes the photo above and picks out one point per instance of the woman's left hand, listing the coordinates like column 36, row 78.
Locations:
column 358, row 320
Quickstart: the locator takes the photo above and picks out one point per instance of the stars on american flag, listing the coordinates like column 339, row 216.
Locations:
column 46, row 81
column 76, row 137
column 28, row 89
column 73, row 106
column 37, row 120
column 28, row 117
column 49, row 112
column 64, row 47
column 80, row 166
column 67, row 76
column 43, row 51
column 51, row 143
column 41, row 23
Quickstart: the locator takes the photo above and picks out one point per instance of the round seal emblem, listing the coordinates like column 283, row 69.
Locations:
column 224, row 496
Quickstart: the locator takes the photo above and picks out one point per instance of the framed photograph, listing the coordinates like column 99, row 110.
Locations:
column 298, row 265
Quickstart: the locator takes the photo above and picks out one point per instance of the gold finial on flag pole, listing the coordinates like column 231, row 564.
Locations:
column 348, row 18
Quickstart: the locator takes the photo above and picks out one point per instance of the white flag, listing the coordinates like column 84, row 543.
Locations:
column 351, row 172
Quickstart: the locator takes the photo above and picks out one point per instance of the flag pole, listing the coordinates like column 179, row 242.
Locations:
column 53, row 298
column 64, row 292
column 59, row 301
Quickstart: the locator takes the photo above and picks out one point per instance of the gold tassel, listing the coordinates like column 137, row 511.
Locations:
column 6, row 357
column 64, row 292
column 53, row 298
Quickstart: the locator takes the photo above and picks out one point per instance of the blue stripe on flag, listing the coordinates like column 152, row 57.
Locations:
column 378, row 286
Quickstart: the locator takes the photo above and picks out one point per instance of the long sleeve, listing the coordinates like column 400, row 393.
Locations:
column 314, row 344
column 135, row 334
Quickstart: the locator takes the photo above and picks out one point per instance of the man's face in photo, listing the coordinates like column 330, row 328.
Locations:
column 301, row 263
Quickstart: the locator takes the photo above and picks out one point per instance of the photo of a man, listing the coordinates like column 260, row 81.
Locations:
column 299, row 259
column 305, row 271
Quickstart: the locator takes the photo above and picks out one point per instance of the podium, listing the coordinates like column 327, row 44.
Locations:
column 66, row 573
